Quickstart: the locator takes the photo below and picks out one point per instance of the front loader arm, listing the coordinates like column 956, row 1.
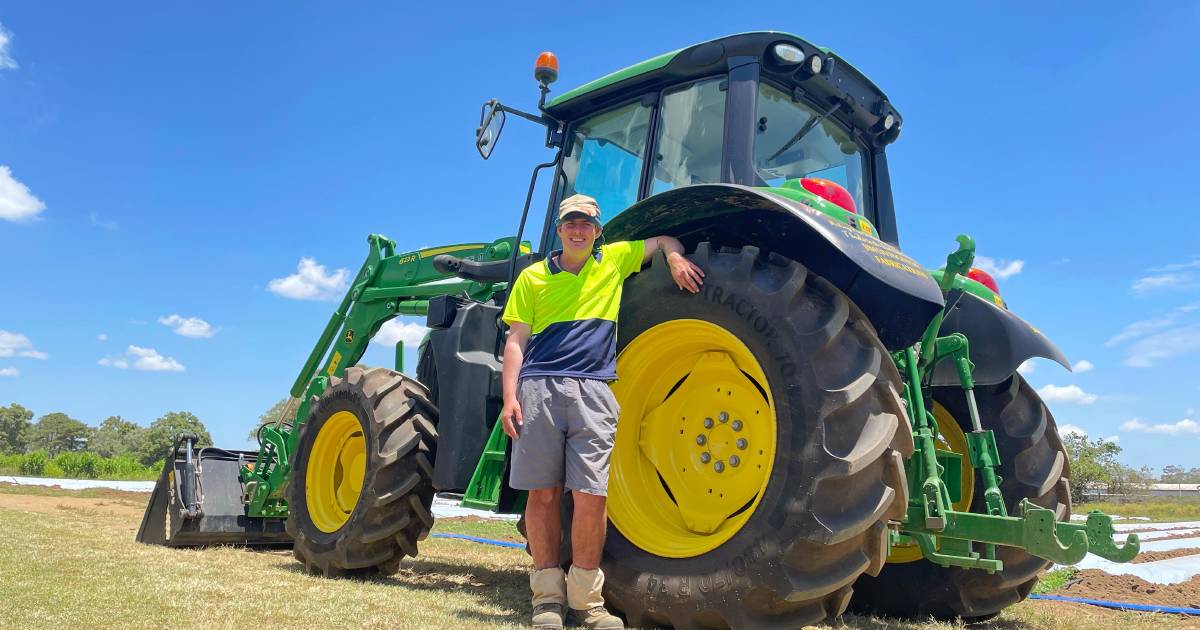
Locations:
column 387, row 284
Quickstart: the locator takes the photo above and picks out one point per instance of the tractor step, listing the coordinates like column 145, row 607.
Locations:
column 489, row 489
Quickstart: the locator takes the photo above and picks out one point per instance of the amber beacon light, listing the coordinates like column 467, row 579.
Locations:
column 546, row 68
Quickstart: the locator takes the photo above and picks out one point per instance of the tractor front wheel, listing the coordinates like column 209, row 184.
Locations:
column 759, row 451
column 361, row 486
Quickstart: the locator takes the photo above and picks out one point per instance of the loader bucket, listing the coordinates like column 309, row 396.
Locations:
column 198, row 502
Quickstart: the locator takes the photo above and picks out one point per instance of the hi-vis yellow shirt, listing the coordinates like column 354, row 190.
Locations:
column 573, row 317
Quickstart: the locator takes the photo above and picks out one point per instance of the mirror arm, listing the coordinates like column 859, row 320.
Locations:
column 544, row 119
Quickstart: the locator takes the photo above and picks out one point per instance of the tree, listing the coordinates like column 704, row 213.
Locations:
column 1093, row 464
column 59, row 433
column 115, row 436
column 269, row 416
column 1179, row 474
column 160, row 436
column 15, row 423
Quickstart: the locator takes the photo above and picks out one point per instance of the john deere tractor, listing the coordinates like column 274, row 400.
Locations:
column 826, row 425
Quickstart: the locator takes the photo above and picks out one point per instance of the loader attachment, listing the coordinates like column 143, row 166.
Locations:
column 198, row 502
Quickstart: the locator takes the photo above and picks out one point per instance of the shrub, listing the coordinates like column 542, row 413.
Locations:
column 34, row 464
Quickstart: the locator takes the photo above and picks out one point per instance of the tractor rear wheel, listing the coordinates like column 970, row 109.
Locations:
column 361, row 490
column 1034, row 466
column 759, row 452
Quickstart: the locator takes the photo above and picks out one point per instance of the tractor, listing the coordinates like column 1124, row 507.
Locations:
column 827, row 425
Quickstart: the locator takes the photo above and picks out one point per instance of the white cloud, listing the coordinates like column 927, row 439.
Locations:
column 999, row 268
column 1165, row 282
column 1172, row 334
column 393, row 330
column 1183, row 427
column 17, row 202
column 1027, row 368
column 144, row 359
column 18, row 345
column 1070, row 429
column 193, row 327
column 1175, row 276
column 1164, row 345
column 1083, row 365
column 1112, row 438
column 102, row 337
column 311, row 282
column 6, row 60
column 10, row 371
column 111, row 226
column 1070, row 394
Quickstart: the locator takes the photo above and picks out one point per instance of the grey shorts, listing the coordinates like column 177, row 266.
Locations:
column 567, row 434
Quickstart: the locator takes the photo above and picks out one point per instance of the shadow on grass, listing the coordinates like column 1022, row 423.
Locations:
column 864, row 622
column 504, row 589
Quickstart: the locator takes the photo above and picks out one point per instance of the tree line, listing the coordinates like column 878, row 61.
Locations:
column 58, row 437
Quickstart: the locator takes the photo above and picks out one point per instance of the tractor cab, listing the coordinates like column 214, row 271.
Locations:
column 756, row 109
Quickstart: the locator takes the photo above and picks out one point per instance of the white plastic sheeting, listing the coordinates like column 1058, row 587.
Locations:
column 1166, row 533
column 1170, row 571
column 443, row 506
column 80, row 484
column 448, row 507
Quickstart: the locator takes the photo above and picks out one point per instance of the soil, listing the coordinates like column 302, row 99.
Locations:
column 1096, row 584
column 1154, row 556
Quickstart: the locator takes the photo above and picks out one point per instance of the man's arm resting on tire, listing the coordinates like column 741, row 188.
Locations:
column 687, row 275
column 514, row 356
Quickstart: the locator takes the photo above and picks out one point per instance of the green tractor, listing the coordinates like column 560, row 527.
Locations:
column 827, row 425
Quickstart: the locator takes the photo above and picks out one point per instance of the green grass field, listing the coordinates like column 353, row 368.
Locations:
column 1166, row 509
column 68, row 559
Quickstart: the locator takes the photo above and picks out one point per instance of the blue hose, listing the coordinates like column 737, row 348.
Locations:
column 1121, row 606
column 1078, row 600
column 486, row 541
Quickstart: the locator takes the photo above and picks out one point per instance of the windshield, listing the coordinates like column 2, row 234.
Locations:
column 795, row 141
column 605, row 159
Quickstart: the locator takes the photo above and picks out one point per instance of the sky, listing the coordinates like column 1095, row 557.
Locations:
column 185, row 188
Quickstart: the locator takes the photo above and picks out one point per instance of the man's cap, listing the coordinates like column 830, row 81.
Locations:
column 579, row 207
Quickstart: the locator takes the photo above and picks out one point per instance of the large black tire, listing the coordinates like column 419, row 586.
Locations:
column 393, row 511
column 1034, row 466
column 838, row 474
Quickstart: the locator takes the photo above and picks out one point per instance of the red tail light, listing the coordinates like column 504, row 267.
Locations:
column 830, row 191
column 984, row 278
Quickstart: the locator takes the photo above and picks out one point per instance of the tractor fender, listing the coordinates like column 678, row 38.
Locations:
column 1000, row 341
column 897, row 295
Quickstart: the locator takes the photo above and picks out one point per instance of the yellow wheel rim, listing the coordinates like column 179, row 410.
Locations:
column 950, row 438
column 695, row 441
column 336, row 466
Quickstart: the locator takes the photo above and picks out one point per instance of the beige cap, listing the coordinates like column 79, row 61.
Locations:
column 579, row 206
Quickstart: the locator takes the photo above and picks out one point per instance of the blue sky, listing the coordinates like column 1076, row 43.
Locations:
column 174, row 178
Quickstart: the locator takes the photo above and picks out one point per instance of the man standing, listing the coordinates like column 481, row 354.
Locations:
column 558, row 408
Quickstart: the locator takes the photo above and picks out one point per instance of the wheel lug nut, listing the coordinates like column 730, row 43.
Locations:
column 700, row 439
column 742, row 443
column 704, row 457
column 708, row 423
column 734, row 460
column 719, row 466
column 724, row 417
column 737, row 425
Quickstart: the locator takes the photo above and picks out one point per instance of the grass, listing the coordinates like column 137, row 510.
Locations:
column 1054, row 580
column 67, row 559
column 1165, row 509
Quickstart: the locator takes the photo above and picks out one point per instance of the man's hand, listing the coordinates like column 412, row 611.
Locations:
column 511, row 417
column 687, row 275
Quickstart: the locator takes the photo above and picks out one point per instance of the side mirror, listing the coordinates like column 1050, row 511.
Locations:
column 491, row 123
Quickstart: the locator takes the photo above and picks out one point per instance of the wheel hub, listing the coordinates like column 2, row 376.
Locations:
column 697, row 414
column 336, row 467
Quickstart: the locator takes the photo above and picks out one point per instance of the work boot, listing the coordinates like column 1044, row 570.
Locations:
column 585, row 603
column 549, row 588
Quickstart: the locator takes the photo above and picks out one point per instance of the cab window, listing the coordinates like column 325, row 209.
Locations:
column 606, row 155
